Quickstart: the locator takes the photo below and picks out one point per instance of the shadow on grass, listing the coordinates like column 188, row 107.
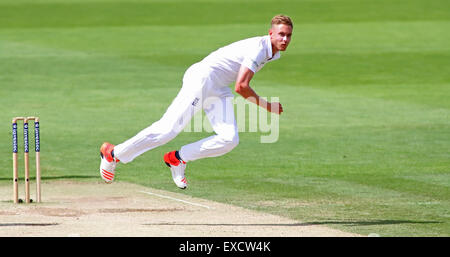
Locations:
column 370, row 222
column 345, row 223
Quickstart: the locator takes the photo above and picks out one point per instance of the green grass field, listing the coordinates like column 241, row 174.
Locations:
column 364, row 140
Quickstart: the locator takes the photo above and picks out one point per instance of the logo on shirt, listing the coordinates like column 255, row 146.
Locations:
column 195, row 102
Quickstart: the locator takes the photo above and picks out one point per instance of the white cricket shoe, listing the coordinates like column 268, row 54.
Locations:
column 108, row 162
column 177, row 167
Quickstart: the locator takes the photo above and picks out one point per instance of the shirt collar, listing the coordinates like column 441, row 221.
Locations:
column 269, row 50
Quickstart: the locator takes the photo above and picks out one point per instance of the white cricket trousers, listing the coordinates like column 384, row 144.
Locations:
column 200, row 90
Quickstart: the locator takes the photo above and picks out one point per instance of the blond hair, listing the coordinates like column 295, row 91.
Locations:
column 282, row 19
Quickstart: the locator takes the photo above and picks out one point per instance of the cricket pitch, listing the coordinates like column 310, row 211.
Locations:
column 90, row 209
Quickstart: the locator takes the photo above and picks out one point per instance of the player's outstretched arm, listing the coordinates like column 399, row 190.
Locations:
column 243, row 88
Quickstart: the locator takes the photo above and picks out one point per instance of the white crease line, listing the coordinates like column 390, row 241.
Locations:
column 179, row 200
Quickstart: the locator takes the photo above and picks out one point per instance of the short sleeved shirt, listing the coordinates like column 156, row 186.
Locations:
column 253, row 53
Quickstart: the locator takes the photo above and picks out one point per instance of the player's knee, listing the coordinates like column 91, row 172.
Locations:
column 235, row 140
column 231, row 141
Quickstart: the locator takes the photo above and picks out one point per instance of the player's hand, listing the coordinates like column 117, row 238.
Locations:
column 275, row 107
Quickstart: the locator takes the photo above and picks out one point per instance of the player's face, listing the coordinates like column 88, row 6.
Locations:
column 280, row 35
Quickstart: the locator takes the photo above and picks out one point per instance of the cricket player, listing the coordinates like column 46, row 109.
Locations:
column 205, row 87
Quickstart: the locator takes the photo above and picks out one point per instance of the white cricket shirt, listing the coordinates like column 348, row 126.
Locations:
column 225, row 62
